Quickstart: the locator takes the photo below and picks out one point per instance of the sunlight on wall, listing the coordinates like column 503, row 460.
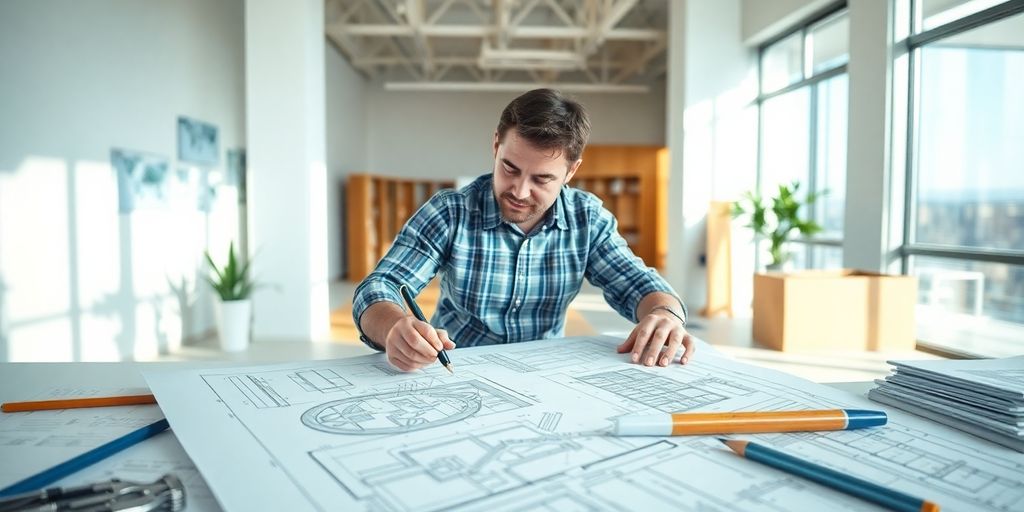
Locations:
column 720, row 163
column 34, row 260
column 99, row 258
column 79, row 281
column 319, row 320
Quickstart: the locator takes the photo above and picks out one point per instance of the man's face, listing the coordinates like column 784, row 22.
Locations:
column 527, row 179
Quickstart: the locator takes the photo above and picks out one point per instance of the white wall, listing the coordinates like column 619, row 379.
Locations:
column 712, row 137
column 449, row 134
column 347, row 138
column 78, row 280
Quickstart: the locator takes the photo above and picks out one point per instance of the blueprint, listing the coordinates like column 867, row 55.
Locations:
column 520, row 427
column 31, row 442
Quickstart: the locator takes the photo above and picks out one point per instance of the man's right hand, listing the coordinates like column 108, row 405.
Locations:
column 412, row 344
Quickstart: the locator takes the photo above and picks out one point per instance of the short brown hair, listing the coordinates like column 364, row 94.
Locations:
column 548, row 120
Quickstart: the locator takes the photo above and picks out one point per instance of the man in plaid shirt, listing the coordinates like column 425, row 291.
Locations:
column 513, row 248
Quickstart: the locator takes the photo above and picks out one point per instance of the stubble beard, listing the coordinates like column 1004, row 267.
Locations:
column 512, row 216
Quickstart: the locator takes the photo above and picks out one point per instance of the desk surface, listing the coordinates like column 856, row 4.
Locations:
column 19, row 381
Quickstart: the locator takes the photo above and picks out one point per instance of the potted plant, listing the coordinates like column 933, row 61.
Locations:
column 234, row 309
column 777, row 221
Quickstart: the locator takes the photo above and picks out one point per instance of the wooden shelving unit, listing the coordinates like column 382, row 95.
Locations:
column 633, row 183
column 631, row 180
column 377, row 208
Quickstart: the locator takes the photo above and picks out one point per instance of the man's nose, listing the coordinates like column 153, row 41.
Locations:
column 521, row 188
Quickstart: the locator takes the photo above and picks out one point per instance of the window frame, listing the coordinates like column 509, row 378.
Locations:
column 912, row 46
column 811, row 80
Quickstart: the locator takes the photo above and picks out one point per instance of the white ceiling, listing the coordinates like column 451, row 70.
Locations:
column 580, row 45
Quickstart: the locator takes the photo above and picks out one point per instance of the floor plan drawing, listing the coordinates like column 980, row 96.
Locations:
column 324, row 381
column 522, row 427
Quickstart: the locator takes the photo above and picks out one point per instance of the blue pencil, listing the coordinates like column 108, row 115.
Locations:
column 48, row 476
column 851, row 485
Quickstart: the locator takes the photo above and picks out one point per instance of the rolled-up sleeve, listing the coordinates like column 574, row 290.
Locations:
column 621, row 275
column 414, row 258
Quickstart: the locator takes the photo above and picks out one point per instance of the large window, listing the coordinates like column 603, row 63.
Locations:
column 803, row 107
column 963, row 233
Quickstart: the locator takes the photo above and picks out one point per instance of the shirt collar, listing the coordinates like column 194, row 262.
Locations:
column 491, row 213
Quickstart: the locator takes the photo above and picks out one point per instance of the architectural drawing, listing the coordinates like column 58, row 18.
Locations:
column 409, row 408
column 521, row 428
column 323, row 380
column 31, row 442
column 468, row 466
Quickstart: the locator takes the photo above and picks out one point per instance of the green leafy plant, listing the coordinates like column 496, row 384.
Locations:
column 231, row 282
column 776, row 221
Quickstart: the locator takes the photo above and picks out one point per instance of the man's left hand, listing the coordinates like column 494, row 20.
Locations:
column 656, row 339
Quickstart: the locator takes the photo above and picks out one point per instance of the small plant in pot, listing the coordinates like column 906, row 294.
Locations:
column 234, row 309
column 776, row 221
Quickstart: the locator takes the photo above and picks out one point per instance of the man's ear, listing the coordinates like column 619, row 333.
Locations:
column 572, row 170
column 497, row 142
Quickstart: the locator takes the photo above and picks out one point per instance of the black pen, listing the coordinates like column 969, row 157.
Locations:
column 442, row 355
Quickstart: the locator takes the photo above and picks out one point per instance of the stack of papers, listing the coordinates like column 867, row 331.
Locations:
column 983, row 397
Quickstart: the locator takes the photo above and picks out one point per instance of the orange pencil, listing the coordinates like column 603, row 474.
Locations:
column 75, row 403
column 703, row 423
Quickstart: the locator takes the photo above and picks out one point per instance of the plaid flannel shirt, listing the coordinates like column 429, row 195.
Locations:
column 498, row 284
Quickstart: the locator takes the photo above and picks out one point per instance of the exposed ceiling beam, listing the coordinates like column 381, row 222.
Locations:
column 513, row 87
column 612, row 16
column 521, row 32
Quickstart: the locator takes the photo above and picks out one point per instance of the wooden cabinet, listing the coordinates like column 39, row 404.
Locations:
column 631, row 180
column 377, row 208
column 633, row 183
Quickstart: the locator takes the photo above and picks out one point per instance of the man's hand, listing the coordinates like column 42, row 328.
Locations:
column 412, row 344
column 656, row 339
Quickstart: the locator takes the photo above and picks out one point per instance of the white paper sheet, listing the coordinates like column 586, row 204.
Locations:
column 996, row 377
column 33, row 441
column 508, row 432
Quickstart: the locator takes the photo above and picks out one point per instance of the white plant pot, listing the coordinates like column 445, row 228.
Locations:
column 233, row 324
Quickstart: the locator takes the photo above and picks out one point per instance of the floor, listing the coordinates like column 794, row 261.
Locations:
column 589, row 315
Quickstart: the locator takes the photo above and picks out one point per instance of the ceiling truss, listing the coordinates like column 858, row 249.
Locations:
column 503, row 45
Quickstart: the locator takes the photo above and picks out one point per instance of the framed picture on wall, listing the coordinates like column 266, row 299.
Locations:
column 236, row 172
column 198, row 142
column 142, row 179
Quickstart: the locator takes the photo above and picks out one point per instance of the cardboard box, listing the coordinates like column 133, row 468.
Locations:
column 835, row 309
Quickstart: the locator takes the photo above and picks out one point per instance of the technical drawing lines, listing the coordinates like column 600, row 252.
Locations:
column 391, row 413
column 467, row 467
column 323, row 380
column 549, row 422
column 534, row 360
column 914, row 458
column 258, row 391
column 408, row 409
column 663, row 393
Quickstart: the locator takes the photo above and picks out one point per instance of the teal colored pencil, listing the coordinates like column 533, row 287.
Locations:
column 48, row 476
column 851, row 485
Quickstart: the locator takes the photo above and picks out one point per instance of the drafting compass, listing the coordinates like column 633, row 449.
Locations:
column 167, row 494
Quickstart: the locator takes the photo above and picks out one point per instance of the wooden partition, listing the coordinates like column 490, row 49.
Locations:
column 377, row 208
column 633, row 183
